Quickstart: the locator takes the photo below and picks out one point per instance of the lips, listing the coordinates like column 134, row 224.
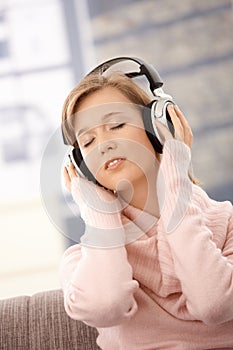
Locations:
column 113, row 163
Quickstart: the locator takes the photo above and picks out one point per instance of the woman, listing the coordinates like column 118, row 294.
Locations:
column 154, row 269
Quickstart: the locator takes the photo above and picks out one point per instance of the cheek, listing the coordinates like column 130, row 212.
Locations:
column 143, row 146
column 146, row 142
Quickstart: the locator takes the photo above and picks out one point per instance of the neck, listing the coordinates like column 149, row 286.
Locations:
column 143, row 195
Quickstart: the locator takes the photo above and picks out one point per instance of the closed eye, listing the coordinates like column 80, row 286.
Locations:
column 118, row 126
column 88, row 143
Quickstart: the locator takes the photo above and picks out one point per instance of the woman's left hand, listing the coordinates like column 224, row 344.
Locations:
column 183, row 131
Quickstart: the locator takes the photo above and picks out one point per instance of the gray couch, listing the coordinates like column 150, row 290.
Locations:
column 40, row 322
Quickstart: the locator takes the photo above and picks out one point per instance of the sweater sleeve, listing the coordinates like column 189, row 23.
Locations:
column 205, row 271
column 98, row 286
column 96, row 276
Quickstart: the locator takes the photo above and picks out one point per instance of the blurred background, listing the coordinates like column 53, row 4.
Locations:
column 46, row 47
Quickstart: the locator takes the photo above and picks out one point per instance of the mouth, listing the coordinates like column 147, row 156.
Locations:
column 113, row 163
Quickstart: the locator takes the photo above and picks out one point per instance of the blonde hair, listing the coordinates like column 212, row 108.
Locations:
column 96, row 82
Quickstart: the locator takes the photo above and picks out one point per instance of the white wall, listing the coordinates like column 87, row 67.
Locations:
column 35, row 77
column 30, row 249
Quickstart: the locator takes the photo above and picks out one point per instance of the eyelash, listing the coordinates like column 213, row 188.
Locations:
column 119, row 126
column 88, row 143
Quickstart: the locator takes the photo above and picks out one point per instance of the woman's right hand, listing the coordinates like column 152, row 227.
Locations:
column 69, row 174
column 86, row 191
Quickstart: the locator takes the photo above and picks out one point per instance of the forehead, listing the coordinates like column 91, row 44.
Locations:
column 105, row 106
column 102, row 96
column 114, row 112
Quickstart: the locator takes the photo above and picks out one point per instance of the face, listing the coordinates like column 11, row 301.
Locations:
column 111, row 136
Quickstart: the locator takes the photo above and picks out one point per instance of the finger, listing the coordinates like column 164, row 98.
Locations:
column 67, row 179
column 179, row 133
column 184, row 122
column 188, row 135
column 71, row 171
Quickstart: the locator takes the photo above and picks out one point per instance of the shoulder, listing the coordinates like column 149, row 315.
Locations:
column 202, row 199
column 216, row 215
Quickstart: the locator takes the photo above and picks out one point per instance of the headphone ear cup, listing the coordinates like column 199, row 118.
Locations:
column 169, row 122
column 149, row 127
column 157, row 109
column 80, row 165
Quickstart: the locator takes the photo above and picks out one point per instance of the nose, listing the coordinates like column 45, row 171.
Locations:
column 107, row 146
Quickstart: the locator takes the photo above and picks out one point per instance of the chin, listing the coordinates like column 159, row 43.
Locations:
column 124, row 185
column 122, row 181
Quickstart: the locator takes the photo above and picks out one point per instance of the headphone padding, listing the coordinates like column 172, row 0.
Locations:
column 149, row 128
column 77, row 156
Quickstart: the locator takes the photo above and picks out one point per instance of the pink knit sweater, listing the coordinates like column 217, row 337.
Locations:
column 172, row 288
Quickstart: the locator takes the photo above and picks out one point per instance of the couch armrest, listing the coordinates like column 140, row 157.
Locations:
column 14, row 332
column 40, row 322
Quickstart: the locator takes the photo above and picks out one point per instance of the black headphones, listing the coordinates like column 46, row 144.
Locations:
column 133, row 68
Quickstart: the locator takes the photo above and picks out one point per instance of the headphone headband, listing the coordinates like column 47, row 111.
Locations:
column 145, row 69
column 157, row 108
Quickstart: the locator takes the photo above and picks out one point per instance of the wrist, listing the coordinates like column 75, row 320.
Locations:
column 103, row 238
column 173, row 183
column 175, row 162
column 177, row 151
column 100, row 219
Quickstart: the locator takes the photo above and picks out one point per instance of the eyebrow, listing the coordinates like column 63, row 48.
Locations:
column 104, row 119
